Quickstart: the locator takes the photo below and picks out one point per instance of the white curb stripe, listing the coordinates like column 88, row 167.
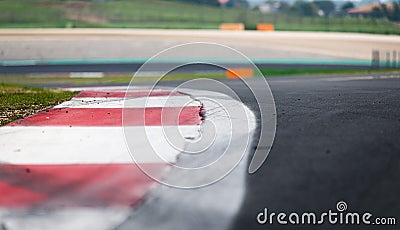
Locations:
column 85, row 145
column 140, row 102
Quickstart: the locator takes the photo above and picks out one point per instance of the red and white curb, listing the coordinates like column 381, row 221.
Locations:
column 69, row 167
column 71, row 162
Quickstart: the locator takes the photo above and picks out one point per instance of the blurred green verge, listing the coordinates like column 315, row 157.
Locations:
column 56, row 80
column 294, row 72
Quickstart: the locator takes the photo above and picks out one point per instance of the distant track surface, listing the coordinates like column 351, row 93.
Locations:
column 45, row 44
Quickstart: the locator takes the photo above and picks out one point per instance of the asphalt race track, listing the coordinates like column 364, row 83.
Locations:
column 337, row 139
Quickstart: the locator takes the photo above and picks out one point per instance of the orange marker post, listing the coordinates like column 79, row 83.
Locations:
column 265, row 27
column 239, row 73
column 231, row 26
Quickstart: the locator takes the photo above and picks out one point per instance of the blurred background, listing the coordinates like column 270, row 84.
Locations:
column 371, row 16
column 110, row 37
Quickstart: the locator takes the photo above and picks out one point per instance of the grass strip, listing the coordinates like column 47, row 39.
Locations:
column 17, row 102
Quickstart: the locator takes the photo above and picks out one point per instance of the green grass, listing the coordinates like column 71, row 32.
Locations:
column 167, row 14
column 55, row 80
column 293, row 72
column 17, row 102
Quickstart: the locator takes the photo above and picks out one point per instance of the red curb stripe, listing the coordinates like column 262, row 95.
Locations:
column 189, row 115
column 89, row 185
column 111, row 94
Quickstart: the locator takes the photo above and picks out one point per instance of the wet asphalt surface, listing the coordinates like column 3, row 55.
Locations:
column 335, row 141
